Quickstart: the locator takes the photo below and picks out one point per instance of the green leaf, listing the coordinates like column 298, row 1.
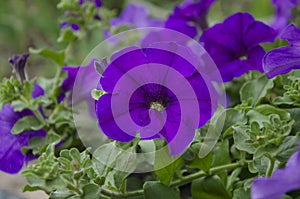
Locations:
column 166, row 165
column 201, row 163
column 18, row 106
column 233, row 117
column 241, row 194
column 242, row 140
column 295, row 114
column 256, row 90
column 27, row 123
column 156, row 190
column 125, row 164
column 96, row 94
column 221, row 154
column 209, row 188
column 91, row 191
column 56, row 56
column 104, row 157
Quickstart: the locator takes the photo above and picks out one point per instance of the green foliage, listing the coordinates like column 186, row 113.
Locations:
column 165, row 166
column 69, row 175
column 155, row 190
column 255, row 90
column 27, row 123
column 10, row 90
column 258, row 132
column 57, row 57
column 210, row 188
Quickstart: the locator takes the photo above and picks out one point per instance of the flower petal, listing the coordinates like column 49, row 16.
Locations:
column 292, row 34
column 281, row 60
column 107, row 122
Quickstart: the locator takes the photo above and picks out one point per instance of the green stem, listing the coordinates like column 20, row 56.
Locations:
column 184, row 180
column 271, row 167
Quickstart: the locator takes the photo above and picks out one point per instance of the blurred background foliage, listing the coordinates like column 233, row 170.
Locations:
column 24, row 24
column 35, row 24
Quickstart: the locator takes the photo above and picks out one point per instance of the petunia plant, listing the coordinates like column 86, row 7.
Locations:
column 159, row 99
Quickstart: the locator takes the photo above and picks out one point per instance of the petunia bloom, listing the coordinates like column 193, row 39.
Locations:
column 158, row 94
column 73, row 26
column 234, row 44
column 85, row 75
column 98, row 3
column 283, row 13
column 135, row 16
column 189, row 17
column 281, row 182
column 18, row 62
column 11, row 156
column 284, row 59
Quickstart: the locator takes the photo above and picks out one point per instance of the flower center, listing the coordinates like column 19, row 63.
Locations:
column 244, row 57
column 157, row 106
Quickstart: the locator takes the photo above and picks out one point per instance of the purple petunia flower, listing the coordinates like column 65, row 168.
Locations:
column 98, row 3
column 18, row 62
column 157, row 94
column 234, row 44
column 281, row 182
column 189, row 17
column 135, row 16
column 73, row 26
column 283, row 13
column 85, row 75
column 11, row 156
column 284, row 59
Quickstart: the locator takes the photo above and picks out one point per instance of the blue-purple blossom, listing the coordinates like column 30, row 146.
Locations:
column 284, row 59
column 139, row 98
column 135, row 16
column 281, row 182
column 234, row 44
column 18, row 62
column 73, row 26
column 283, row 13
column 98, row 3
column 189, row 17
column 85, row 76
column 11, row 157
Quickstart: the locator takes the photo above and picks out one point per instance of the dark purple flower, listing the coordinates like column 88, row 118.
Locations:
column 281, row 182
column 234, row 44
column 11, row 156
column 283, row 13
column 98, row 3
column 158, row 94
column 73, row 26
column 18, row 62
column 284, row 59
column 135, row 16
column 189, row 17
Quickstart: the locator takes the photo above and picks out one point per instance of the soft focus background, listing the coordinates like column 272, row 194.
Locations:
column 35, row 23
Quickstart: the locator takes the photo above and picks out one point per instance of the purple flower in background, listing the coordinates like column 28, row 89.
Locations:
column 139, row 98
column 85, row 75
column 284, row 59
column 234, row 44
column 18, row 62
column 281, row 182
column 135, row 16
column 11, row 156
column 98, row 3
column 283, row 13
column 189, row 17
column 73, row 26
